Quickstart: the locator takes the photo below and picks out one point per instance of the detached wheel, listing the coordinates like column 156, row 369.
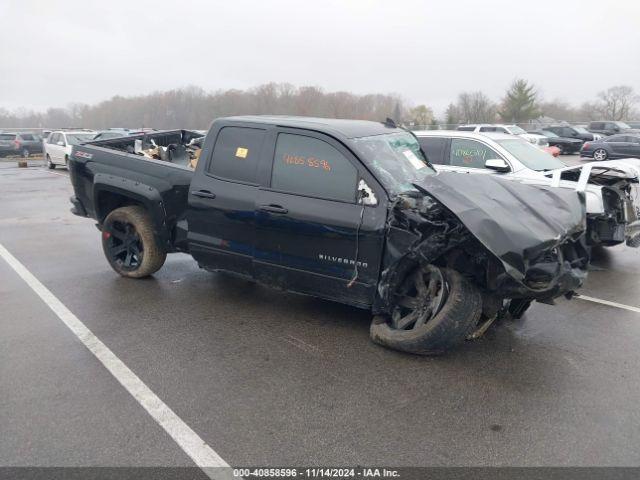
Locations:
column 600, row 154
column 50, row 164
column 129, row 244
column 436, row 308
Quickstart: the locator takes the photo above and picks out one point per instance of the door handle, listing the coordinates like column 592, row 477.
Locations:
column 273, row 209
column 204, row 194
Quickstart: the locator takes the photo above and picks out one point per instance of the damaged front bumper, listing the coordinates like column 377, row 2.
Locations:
column 515, row 241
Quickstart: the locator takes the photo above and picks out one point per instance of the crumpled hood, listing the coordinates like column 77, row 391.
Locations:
column 514, row 221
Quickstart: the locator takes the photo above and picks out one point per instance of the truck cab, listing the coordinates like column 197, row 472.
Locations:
column 281, row 204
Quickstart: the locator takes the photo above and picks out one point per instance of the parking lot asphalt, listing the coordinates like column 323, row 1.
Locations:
column 268, row 378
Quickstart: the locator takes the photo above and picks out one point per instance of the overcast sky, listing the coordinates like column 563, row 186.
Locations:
column 53, row 53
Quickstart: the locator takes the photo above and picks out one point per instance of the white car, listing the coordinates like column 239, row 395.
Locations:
column 57, row 147
column 611, row 187
column 539, row 140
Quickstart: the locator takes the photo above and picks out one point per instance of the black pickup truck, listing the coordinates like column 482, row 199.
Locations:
column 345, row 210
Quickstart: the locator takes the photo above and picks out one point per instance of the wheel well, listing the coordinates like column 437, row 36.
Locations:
column 107, row 202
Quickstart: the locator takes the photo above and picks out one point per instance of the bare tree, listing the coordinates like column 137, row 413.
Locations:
column 421, row 115
column 617, row 103
column 475, row 107
column 561, row 110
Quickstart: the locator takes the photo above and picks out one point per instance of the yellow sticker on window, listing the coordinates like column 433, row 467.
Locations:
column 242, row 152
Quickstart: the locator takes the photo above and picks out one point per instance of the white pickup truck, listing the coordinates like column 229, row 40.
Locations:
column 610, row 187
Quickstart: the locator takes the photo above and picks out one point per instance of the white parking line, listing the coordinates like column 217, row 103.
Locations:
column 607, row 302
column 188, row 440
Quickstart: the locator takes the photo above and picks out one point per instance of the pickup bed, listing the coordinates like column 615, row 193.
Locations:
column 345, row 210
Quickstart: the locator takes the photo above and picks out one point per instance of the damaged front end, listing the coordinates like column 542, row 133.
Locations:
column 512, row 241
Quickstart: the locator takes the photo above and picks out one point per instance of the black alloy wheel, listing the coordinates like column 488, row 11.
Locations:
column 124, row 245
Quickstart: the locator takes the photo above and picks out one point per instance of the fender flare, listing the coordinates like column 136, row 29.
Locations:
column 146, row 195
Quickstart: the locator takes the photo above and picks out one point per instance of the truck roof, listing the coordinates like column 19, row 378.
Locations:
column 333, row 126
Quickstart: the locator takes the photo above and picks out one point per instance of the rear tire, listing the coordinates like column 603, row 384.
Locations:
column 129, row 243
column 50, row 164
column 600, row 154
column 456, row 318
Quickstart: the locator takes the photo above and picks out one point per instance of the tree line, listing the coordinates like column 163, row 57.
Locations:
column 193, row 107
column 522, row 103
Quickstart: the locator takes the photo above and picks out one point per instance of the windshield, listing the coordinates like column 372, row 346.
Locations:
column 622, row 125
column 396, row 160
column 76, row 138
column 515, row 130
column 549, row 134
column 581, row 130
column 530, row 156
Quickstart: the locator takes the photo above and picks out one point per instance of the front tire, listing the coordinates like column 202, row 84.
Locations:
column 129, row 243
column 436, row 309
column 600, row 154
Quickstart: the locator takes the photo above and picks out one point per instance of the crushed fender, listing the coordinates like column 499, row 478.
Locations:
column 512, row 240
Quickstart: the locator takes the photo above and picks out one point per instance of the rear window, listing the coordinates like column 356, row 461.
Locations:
column 236, row 154
column 466, row 129
column 7, row 136
column 434, row 148
column 27, row 136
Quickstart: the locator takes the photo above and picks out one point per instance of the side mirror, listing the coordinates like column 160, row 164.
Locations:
column 366, row 196
column 497, row 164
column 60, row 144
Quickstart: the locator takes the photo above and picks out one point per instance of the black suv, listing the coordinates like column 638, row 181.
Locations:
column 23, row 144
column 610, row 128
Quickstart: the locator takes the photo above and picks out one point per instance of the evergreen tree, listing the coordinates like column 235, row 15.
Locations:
column 520, row 103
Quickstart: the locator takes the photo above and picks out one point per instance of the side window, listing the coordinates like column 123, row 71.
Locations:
column 567, row 132
column 466, row 129
column 27, row 137
column 488, row 129
column 470, row 153
column 53, row 138
column 434, row 148
column 236, row 154
column 614, row 139
column 309, row 166
column 597, row 126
